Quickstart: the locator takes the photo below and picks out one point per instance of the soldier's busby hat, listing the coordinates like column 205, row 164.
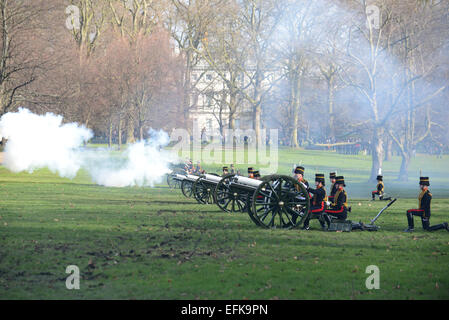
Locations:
column 256, row 174
column 379, row 178
column 225, row 168
column 319, row 177
column 332, row 175
column 424, row 181
column 340, row 180
column 299, row 170
column 250, row 170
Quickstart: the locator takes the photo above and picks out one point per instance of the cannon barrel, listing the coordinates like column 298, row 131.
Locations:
column 178, row 177
column 245, row 182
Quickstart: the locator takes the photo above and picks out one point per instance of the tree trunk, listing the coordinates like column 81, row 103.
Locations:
column 389, row 150
column 403, row 173
column 130, row 130
column 330, row 103
column 110, row 134
column 377, row 153
column 257, row 116
column 295, row 106
column 120, row 125
column 232, row 110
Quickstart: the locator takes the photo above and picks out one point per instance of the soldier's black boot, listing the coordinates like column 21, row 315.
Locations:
column 410, row 223
column 438, row 227
column 426, row 224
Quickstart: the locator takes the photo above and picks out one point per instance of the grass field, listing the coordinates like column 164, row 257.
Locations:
column 152, row 243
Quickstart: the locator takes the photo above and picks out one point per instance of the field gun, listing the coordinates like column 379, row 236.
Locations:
column 275, row 201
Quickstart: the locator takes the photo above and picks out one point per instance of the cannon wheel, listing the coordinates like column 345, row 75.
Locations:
column 228, row 201
column 280, row 202
column 202, row 192
column 250, row 207
column 187, row 188
column 172, row 183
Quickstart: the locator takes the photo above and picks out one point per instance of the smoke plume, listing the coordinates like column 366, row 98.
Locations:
column 43, row 141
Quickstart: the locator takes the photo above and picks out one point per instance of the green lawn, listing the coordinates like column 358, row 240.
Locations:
column 152, row 243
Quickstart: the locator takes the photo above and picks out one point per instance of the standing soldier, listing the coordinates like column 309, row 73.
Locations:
column 225, row 171
column 256, row 175
column 380, row 189
column 339, row 207
column 318, row 206
column 424, row 200
column 332, row 177
column 250, row 172
column 232, row 169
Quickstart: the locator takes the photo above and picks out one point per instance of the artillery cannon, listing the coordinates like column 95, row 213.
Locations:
column 233, row 192
column 276, row 201
column 203, row 188
column 186, row 182
column 173, row 181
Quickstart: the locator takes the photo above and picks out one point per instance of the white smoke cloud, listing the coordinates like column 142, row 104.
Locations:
column 144, row 164
column 42, row 141
column 38, row 141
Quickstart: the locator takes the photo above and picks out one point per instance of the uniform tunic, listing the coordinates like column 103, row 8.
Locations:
column 380, row 189
column 339, row 208
column 423, row 211
column 334, row 190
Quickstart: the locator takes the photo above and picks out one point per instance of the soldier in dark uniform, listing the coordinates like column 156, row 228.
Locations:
column 318, row 202
column 257, row 175
column 232, row 169
column 332, row 177
column 299, row 175
column 189, row 167
column 379, row 189
column 250, row 172
column 225, row 171
column 424, row 200
column 339, row 207
column 198, row 169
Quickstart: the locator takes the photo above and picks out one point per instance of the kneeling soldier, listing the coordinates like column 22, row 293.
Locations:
column 380, row 188
column 424, row 199
column 318, row 206
column 339, row 207
column 257, row 175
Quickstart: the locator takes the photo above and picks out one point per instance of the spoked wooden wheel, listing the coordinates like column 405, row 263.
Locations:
column 280, row 202
column 227, row 199
column 172, row 183
column 187, row 188
column 202, row 191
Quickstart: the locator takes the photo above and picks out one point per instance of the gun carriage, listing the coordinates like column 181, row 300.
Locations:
column 204, row 187
column 276, row 201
